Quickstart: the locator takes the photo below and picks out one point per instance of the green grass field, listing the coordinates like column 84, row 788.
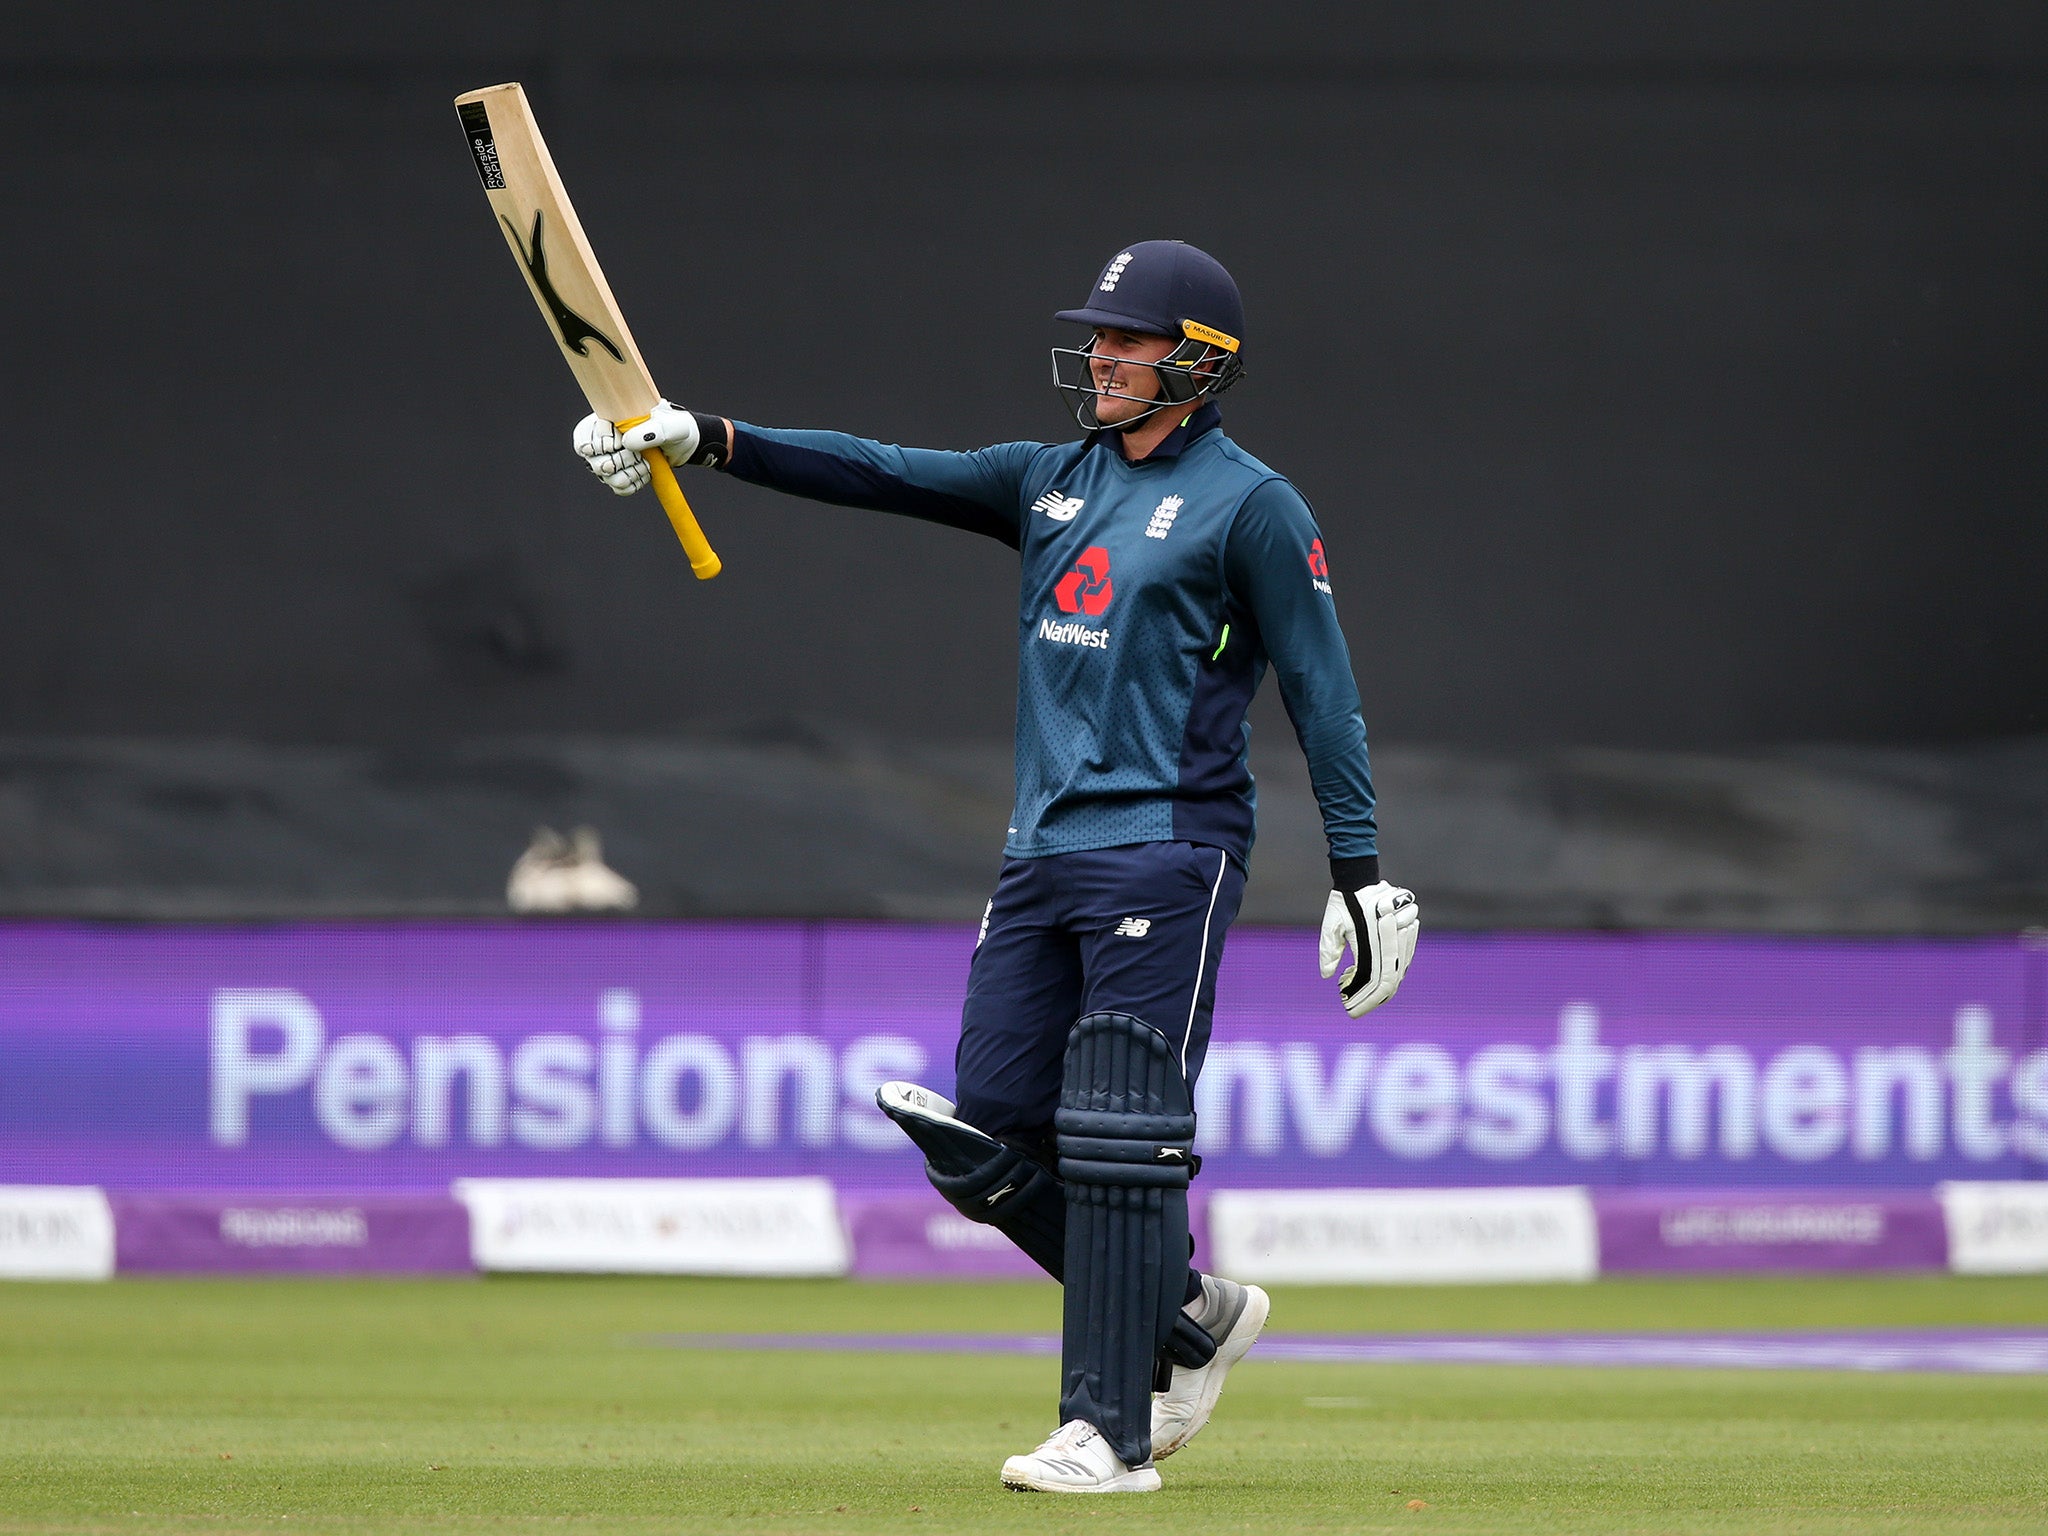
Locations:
column 526, row 1404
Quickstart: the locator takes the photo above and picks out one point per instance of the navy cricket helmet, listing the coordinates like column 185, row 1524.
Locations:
column 1159, row 288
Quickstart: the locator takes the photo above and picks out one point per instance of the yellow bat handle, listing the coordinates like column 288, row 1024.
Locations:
column 702, row 558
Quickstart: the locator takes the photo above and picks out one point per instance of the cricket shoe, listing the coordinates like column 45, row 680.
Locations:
column 1234, row 1315
column 1076, row 1459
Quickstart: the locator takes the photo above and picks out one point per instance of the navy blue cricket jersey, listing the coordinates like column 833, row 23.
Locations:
column 1154, row 596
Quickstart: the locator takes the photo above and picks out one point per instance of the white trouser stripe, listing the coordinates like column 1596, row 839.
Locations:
column 1202, row 964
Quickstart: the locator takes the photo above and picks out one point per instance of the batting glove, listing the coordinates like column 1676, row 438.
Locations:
column 1379, row 925
column 683, row 436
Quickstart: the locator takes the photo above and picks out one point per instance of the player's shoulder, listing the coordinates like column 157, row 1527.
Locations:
column 1235, row 459
column 1063, row 455
column 1262, row 486
column 1025, row 451
column 1039, row 464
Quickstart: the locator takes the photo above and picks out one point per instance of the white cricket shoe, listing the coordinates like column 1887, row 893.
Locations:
column 1076, row 1459
column 1234, row 1315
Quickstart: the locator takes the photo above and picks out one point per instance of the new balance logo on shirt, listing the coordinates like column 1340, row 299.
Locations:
column 1060, row 509
column 1134, row 927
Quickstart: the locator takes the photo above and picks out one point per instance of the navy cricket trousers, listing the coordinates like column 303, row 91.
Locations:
column 1136, row 930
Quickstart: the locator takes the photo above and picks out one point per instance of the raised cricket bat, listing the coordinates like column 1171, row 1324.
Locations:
column 541, row 227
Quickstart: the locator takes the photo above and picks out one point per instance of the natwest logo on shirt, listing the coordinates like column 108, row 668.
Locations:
column 1087, row 587
column 1318, row 567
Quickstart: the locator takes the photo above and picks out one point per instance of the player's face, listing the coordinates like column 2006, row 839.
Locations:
column 1117, row 365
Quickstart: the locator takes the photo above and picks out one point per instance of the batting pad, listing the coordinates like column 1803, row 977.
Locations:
column 1126, row 1143
column 982, row 1178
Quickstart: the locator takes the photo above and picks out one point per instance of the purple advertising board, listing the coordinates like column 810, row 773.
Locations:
column 1766, row 1229
column 300, row 1234
column 367, row 1058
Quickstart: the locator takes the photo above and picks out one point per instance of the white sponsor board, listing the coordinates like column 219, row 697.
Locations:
column 55, row 1232
column 656, row 1226
column 1996, row 1228
column 1395, row 1236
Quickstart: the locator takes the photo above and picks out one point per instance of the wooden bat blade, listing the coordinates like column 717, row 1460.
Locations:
column 546, row 238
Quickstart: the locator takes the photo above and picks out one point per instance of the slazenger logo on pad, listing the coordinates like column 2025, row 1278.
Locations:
column 1060, row 509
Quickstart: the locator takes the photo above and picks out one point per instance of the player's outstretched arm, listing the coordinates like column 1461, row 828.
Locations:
column 979, row 492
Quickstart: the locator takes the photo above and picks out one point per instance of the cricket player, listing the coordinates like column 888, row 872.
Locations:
column 1164, row 569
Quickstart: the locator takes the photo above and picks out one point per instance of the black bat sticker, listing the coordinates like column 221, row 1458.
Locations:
column 574, row 328
column 476, row 122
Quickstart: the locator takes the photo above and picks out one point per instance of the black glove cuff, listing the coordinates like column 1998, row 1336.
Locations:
column 713, row 432
column 1354, row 874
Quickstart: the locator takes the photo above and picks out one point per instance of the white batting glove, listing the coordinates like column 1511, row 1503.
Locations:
column 1379, row 925
column 609, row 458
column 614, row 456
column 671, row 429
